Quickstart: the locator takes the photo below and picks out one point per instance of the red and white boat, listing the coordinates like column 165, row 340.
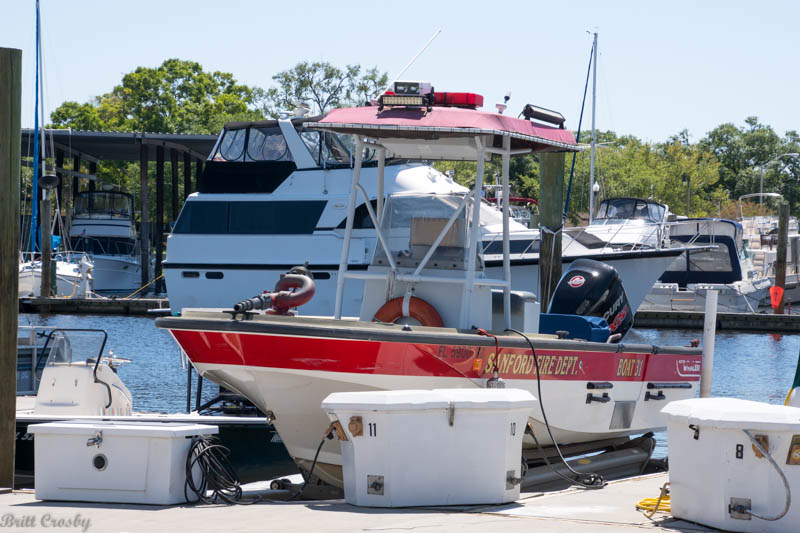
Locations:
column 428, row 277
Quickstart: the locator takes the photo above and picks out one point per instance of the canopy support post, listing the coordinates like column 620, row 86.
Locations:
column 475, row 229
column 506, row 161
column 381, row 166
column 348, row 230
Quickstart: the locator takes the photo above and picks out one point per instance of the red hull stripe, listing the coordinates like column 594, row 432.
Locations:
column 408, row 359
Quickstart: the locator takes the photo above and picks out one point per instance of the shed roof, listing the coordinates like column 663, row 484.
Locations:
column 116, row 145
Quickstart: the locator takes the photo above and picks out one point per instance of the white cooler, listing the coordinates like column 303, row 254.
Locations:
column 439, row 447
column 716, row 472
column 113, row 462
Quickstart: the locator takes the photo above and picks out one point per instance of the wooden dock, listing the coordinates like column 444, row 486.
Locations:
column 95, row 306
column 766, row 322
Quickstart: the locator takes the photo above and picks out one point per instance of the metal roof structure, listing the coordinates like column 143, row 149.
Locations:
column 96, row 146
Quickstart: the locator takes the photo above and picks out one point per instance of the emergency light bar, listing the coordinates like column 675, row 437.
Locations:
column 407, row 94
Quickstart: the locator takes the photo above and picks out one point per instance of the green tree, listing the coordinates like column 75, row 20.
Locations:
column 176, row 97
column 322, row 84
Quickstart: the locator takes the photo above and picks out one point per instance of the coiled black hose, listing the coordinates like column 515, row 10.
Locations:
column 217, row 478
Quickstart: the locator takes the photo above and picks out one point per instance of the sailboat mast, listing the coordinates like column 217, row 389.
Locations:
column 36, row 157
column 594, row 133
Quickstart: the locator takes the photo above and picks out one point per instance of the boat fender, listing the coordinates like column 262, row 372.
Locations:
column 418, row 309
column 284, row 299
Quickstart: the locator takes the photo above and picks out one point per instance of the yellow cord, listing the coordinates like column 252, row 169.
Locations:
column 145, row 286
column 651, row 506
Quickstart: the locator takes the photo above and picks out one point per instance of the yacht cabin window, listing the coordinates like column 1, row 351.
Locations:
column 250, row 218
column 263, row 144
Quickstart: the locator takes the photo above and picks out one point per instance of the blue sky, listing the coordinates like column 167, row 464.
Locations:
column 662, row 67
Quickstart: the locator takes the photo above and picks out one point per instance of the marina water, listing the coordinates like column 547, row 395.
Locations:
column 750, row 366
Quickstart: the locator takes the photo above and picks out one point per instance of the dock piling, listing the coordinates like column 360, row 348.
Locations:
column 10, row 98
column 709, row 333
column 780, row 260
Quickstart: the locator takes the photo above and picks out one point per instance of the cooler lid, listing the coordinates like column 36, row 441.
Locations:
column 732, row 413
column 130, row 429
column 403, row 400
column 489, row 398
column 390, row 400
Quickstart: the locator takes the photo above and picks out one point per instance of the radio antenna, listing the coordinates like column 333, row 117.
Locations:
column 434, row 36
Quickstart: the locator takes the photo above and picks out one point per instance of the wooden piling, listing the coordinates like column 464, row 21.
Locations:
column 10, row 97
column 780, row 260
column 551, row 203
column 187, row 175
column 173, row 163
column 144, row 209
column 76, row 184
column 159, row 223
column 47, row 264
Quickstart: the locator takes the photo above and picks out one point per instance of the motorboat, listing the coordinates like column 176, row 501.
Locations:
column 431, row 314
column 274, row 193
column 68, row 374
column 73, row 275
column 629, row 223
column 726, row 267
column 102, row 227
column 760, row 237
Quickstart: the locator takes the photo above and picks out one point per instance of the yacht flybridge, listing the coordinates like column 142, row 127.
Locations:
column 431, row 314
column 102, row 227
column 274, row 194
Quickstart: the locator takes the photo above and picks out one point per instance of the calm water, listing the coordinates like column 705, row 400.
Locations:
column 155, row 377
column 751, row 366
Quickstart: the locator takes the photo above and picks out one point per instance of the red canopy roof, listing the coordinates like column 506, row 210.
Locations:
column 447, row 122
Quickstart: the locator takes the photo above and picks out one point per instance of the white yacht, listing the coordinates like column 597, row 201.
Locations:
column 102, row 227
column 727, row 268
column 274, row 195
column 631, row 223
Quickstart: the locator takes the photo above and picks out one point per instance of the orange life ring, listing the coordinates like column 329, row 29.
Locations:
column 418, row 309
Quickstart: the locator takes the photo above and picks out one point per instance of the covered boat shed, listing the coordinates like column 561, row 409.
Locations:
column 86, row 149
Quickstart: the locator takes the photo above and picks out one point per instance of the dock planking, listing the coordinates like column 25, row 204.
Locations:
column 98, row 306
column 766, row 322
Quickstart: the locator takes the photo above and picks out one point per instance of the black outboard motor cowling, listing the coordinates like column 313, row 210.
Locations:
column 592, row 288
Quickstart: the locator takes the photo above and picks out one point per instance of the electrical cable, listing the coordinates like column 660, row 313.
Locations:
column 218, row 479
column 777, row 468
column 584, row 480
column 328, row 436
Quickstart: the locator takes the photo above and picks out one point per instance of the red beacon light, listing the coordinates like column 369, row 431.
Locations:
column 465, row 100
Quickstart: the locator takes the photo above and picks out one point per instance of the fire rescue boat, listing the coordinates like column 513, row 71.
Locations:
column 453, row 325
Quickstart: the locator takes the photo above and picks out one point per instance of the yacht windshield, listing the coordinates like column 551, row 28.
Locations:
column 105, row 203
column 252, row 144
column 618, row 210
column 327, row 148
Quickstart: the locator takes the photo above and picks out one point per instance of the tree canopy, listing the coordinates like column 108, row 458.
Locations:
column 324, row 86
column 176, row 97
column 179, row 96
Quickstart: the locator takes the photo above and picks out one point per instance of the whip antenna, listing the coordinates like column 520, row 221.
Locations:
column 434, row 36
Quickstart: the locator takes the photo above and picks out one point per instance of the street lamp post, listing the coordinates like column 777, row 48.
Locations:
column 765, row 165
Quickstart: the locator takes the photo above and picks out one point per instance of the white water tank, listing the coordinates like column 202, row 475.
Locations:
column 113, row 462
column 431, row 447
column 719, row 478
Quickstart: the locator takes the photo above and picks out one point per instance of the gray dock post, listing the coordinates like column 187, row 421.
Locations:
column 10, row 98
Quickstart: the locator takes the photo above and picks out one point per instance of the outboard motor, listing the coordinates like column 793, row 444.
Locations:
column 591, row 288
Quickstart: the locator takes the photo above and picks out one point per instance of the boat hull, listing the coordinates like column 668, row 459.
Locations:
column 288, row 365
column 116, row 273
